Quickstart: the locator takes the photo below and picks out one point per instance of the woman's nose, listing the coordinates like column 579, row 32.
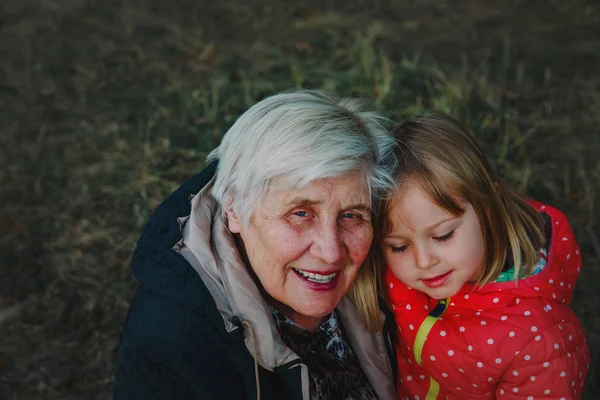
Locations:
column 329, row 245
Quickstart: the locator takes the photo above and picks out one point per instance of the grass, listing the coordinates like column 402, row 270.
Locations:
column 107, row 106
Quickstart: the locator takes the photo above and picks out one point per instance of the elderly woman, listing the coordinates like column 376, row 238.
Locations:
column 250, row 273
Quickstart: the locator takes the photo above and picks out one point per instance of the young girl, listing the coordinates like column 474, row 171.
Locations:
column 478, row 278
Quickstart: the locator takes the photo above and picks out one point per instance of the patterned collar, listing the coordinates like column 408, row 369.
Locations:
column 332, row 365
column 330, row 329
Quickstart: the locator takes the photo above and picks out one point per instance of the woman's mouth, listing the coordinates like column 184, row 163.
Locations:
column 437, row 281
column 314, row 277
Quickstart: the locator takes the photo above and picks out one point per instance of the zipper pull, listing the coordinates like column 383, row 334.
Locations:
column 440, row 308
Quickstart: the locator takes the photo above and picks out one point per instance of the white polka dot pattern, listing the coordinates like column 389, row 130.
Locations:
column 499, row 334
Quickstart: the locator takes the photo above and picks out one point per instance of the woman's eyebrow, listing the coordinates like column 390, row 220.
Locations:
column 304, row 201
column 301, row 201
column 359, row 207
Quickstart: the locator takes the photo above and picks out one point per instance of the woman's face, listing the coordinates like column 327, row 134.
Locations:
column 306, row 245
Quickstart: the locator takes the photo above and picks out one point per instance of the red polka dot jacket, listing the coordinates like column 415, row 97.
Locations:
column 502, row 340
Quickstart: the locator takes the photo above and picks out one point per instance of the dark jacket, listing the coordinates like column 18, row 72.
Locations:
column 184, row 340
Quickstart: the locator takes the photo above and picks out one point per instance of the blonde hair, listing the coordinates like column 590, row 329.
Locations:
column 443, row 157
column 365, row 293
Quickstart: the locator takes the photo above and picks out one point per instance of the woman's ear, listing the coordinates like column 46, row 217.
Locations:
column 233, row 222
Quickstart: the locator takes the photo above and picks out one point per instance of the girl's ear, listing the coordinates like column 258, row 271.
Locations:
column 233, row 222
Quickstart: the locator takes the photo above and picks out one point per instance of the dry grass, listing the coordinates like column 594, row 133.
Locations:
column 107, row 106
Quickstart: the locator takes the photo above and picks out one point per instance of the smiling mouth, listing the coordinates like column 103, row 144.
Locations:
column 437, row 281
column 433, row 278
column 317, row 278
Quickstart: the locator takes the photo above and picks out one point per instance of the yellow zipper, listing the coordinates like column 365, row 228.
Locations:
column 424, row 329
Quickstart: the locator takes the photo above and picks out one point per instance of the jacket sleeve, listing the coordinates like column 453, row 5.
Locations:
column 168, row 352
column 151, row 369
column 553, row 365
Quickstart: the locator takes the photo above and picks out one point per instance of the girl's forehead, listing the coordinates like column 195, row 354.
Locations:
column 410, row 191
column 413, row 208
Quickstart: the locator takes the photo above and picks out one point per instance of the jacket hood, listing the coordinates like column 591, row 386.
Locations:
column 154, row 263
column 555, row 282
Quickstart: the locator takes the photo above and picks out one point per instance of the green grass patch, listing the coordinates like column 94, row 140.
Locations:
column 108, row 106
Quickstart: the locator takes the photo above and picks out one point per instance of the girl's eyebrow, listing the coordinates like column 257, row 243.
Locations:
column 428, row 228
column 433, row 226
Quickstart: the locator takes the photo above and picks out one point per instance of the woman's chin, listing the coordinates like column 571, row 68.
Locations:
column 310, row 323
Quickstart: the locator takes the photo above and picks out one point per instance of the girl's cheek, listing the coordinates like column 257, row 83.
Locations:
column 392, row 262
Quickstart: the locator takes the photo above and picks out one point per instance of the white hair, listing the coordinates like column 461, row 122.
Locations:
column 300, row 136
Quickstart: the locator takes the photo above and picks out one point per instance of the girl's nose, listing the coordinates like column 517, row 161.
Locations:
column 424, row 257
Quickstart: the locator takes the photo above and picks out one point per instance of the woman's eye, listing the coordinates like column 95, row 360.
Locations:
column 301, row 214
column 399, row 249
column 445, row 237
column 349, row 215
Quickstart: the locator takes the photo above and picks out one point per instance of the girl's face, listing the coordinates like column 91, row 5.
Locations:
column 428, row 248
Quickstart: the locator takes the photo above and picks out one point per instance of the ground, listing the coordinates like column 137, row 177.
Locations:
column 106, row 106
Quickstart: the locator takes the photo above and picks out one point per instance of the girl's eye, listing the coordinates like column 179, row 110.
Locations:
column 445, row 237
column 399, row 249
